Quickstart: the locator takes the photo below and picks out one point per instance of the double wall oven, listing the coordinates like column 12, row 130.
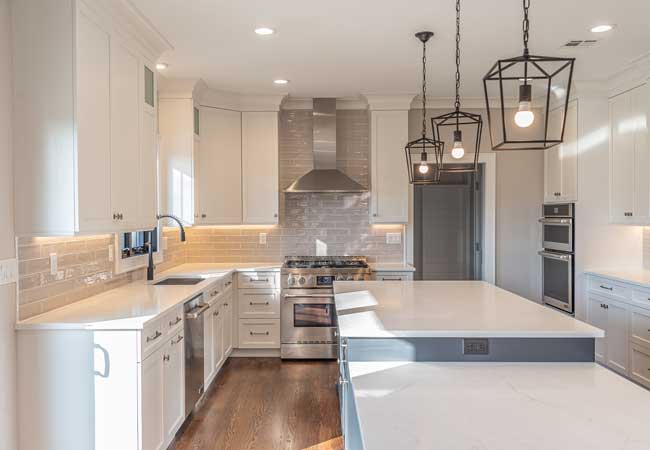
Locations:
column 308, row 315
column 558, row 265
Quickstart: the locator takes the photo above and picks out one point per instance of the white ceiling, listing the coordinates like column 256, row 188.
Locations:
column 339, row 48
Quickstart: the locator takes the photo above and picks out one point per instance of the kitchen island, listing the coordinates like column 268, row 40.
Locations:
column 465, row 365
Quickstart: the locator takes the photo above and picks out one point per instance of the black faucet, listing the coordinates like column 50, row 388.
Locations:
column 151, row 268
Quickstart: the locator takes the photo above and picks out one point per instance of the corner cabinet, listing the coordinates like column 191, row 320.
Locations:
column 92, row 172
column 561, row 161
column 629, row 158
column 259, row 156
column 389, row 185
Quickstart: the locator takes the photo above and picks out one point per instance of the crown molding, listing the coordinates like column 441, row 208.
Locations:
column 351, row 103
column 148, row 35
column 634, row 74
column 237, row 102
column 302, row 103
column 589, row 89
column 179, row 88
column 380, row 102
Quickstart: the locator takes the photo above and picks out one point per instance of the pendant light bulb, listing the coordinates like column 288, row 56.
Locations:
column 423, row 167
column 458, row 150
column 524, row 116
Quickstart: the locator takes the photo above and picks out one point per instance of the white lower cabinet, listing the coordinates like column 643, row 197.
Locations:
column 611, row 316
column 640, row 364
column 392, row 276
column 258, row 307
column 227, row 323
column 173, row 386
column 152, row 432
column 209, row 369
column 217, row 336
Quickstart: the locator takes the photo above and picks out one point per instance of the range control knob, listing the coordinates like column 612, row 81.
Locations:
column 291, row 281
column 301, row 280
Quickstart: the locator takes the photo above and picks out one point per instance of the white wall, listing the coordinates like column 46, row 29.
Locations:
column 7, row 242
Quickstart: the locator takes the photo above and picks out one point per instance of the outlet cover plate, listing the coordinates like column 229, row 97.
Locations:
column 393, row 238
column 8, row 271
column 262, row 238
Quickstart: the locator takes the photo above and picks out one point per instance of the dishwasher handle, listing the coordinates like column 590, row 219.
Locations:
column 196, row 312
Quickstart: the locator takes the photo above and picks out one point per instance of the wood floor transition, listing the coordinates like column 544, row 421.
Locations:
column 267, row 404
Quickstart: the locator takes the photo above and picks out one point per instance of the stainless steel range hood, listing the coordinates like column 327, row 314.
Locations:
column 324, row 177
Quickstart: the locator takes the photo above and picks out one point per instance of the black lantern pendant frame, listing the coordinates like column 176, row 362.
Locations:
column 499, row 74
column 418, row 151
column 461, row 120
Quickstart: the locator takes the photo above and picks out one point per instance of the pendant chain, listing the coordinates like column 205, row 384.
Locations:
column 457, row 103
column 424, row 89
column 526, row 25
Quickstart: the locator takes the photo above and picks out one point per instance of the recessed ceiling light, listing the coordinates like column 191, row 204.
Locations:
column 601, row 28
column 281, row 81
column 162, row 66
column 264, row 31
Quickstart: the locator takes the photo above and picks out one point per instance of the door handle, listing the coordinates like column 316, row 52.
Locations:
column 258, row 303
column 196, row 312
column 154, row 337
column 308, row 295
column 607, row 288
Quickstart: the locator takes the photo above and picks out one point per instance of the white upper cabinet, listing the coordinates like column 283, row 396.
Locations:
column 561, row 161
column 260, row 192
column 178, row 145
column 629, row 157
column 81, row 139
column 389, row 185
column 218, row 193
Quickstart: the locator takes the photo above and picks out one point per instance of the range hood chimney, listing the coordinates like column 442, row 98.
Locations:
column 324, row 177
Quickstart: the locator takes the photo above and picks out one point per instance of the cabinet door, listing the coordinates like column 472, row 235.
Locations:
column 597, row 316
column 260, row 167
column 152, row 432
column 622, row 157
column 569, row 155
column 389, row 185
column 217, row 336
column 616, row 335
column 639, row 104
column 174, row 386
column 125, row 134
column 640, row 365
column 552, row 174
column 208, row 351
column 219, row 191
column 227, row 325
column 148, row 186
column 93, row 127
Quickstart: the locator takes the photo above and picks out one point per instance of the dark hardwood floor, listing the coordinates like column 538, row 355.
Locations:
column 267, row 404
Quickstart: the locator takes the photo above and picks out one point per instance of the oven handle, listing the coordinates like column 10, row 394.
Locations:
column 557, row 256
column 308, row 295
column 554, row 221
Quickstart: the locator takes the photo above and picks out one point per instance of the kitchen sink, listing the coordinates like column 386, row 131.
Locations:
column 179, row 281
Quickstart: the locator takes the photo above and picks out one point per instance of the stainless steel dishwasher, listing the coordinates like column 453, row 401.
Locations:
column 194, row 351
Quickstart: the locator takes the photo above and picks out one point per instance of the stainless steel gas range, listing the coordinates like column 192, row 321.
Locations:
column 308, row 325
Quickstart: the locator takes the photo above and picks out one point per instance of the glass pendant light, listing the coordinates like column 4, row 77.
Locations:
column 422, row 169
column 527, row 97
column 461, row 121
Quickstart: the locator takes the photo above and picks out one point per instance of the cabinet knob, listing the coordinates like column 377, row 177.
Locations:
column 275, row 215
column 374, row 214
column 203, row 216
column 165, row 357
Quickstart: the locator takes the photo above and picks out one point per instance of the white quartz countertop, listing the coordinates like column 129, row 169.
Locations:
column 391, row 267
column 498, row 406
column 639, row 276
column 131, row 306
column 384, row 309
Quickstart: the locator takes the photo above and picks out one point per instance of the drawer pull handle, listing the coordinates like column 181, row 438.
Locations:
column 172, row 323
column 225, row 304
column 391, row 278
column 154, row 337
column 214, row 293
column 606, row 287
column 252, row 333
column 259, row 280
column 228, row 283
column 258, row 303
column 215, row 314
column 180, row 338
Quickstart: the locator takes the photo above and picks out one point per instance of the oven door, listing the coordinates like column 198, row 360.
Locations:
column 557, row 280
column 557, row 234
column 308, row 317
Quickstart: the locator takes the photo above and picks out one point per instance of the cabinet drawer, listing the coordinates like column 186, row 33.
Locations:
column 259, row 333
column 173, row 321
column 211, row 294
column 256, row 280
column 609, row 288
column 258, row 304
column 641, row 296
column 640, row 365
column 152, row 335
column 227, row 282
column 640, row 326
column 392, row 276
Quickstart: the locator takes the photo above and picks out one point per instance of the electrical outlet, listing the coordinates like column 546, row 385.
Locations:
column 479, row 346
column 54, row 264
column 111, row 253
column 164, row 243
column 8, row 271
column 262, row 238
column 393, row 238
